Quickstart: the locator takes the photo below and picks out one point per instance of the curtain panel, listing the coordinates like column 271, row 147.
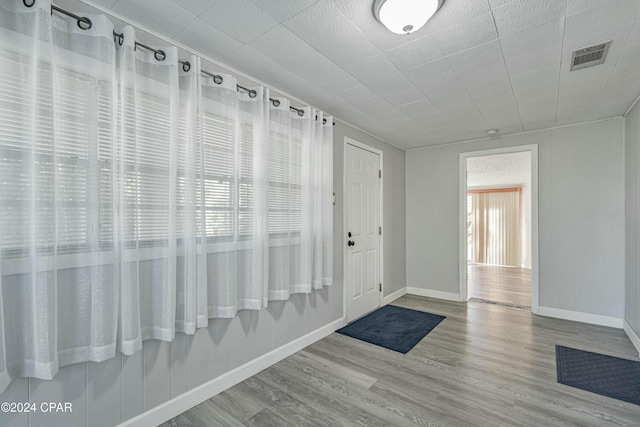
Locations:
column 139, row 197
column 495, row 227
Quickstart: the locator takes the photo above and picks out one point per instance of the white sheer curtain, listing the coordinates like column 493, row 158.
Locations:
column 140, row 197
column 235, row 176
column 59, row 299
column 495, row 227
column 300, row 200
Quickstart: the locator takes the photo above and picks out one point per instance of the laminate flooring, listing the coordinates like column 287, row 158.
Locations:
column 507, row 285
column 484, row 365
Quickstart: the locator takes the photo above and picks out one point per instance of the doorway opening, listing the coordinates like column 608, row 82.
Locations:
column 498, row 212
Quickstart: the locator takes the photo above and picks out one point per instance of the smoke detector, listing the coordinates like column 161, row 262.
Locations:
column 493, row 133
column 589, row 56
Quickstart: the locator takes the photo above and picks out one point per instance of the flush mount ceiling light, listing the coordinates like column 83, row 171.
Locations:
column 405, row 16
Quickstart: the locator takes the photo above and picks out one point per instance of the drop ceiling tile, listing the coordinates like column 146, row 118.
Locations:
column 422, row 106
column 316, row 67
column 326, row 29
column 445, row 91
column 339, row 81
column 533, row 39
column 373, row 68
column 537, row 114
column 613, row 107
column 505, row 102
column 574, row 7
column 431, row 120
column 447, row 134
column 539, row 103
column 568, row 99
column 477, row 31
column 319, row 98
column 497, row 3
column 599, row 25
column 359, row 94
column 198, row 35
column 539, row 124
column 195, row 6
column 464, row 115
column 404, row 96
column 241, row 19
column 542, row 58
column 254, row 63
column 484, row 75
column 474, row 59
column 281, row 10
column 498, row 87
column 271, row 44
column 575, row 115
column 162, row 16
column 417, row 52
column 390, row 83
column 586, row 79
column 430, row 72
column 532, row 83
column 520, row 15
column 578, row 6
column 453, row 13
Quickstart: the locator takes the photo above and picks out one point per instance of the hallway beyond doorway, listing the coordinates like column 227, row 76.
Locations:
column 509, row 286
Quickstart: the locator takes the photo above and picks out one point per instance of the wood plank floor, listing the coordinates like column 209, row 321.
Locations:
column 484, row 365
column 509, row 285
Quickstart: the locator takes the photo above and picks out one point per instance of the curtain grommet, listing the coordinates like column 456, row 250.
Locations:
column 218, row 80
column 276, row 102
column 186, row 66
column 84, row 21
column 253, row 93
column 26, row 3
column 160, row 55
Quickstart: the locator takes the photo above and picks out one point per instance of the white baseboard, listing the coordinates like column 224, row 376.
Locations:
column 394, row 296
column 594, row 319
column 449, row 296
column 635, row 339
column 185, row 401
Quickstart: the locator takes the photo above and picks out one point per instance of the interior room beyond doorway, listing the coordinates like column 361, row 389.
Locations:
column 499, row 229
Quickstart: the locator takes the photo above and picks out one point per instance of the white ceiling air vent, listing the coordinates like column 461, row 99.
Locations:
column 589, row 56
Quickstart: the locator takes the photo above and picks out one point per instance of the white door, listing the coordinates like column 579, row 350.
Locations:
column 362, row 202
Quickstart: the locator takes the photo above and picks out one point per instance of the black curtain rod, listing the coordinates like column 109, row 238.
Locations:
column 85, row 24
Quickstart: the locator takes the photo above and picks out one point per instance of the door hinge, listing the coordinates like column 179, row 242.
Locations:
column 379, row 173
column 380, row 287
column 380, row 231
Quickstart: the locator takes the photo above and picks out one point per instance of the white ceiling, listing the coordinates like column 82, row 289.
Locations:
column 476, row 65
column 499, row 170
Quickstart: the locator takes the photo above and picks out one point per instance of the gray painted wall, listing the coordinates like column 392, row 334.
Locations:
column 632, row 179
column 394, row 214
column 581, row 215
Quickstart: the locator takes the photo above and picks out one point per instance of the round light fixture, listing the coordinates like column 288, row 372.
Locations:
column 405, row 16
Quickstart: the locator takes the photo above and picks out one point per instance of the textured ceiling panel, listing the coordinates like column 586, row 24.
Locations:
column 477, row 64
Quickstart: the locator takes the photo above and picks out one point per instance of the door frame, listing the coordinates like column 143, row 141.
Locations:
column 462, row 240
column 353, row 142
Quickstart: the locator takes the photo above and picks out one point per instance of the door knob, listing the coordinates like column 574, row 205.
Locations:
column 351, row 243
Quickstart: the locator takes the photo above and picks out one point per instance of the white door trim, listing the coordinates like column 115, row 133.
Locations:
column 353, row 142
column 462, row 234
